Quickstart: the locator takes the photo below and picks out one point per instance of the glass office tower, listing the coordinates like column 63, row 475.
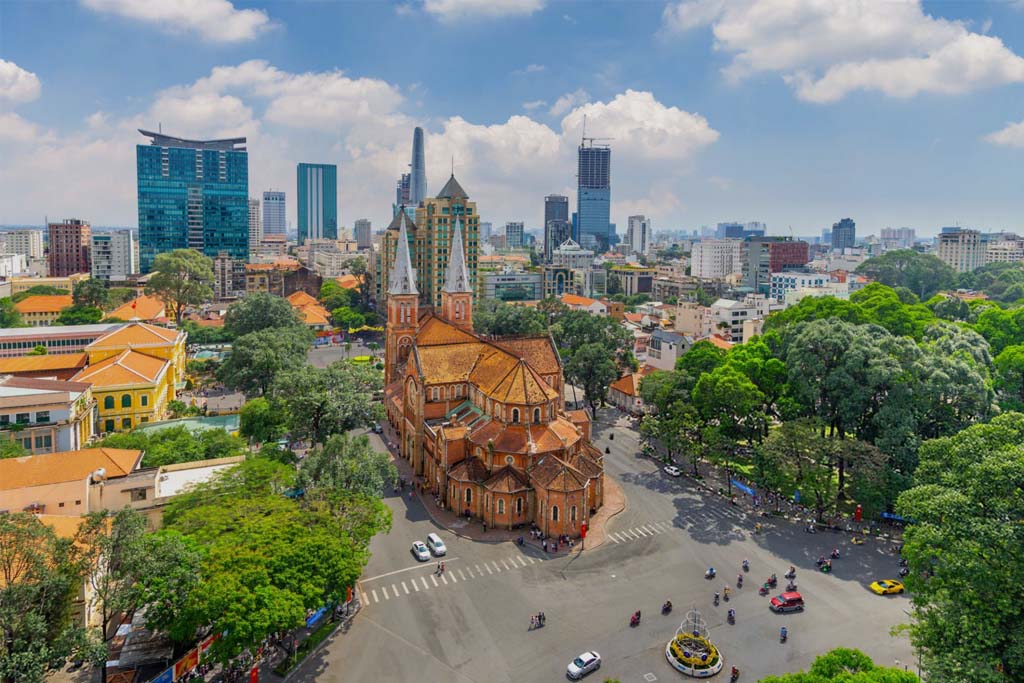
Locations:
column 192, row 194
column 318, row 201
column 593, row 224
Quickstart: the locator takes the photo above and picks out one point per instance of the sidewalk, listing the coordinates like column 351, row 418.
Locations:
column 614, row 503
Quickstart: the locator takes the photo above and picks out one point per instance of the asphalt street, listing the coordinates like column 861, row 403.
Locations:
column 472, row 622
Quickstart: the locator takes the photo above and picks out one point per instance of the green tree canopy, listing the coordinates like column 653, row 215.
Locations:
column 9, row 315
column 348, row 319
column 592, row 369
column 844, row 665
column 91, row 293
column 1009, row 377
column 259, row 311
column 172, row 445
column 38, row 290
column 320, row 402
column 498, row 318
column 79, row 315
column 333, row 295
column 259, row 421
column 257, row 358
column 923, row 274
column 181, row 278
column 347, row 463
column 701, row 358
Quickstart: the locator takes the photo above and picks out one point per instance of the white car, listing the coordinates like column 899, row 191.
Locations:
column 419, row 551
column 436, row 545
column 584, row 664
column 673, row 470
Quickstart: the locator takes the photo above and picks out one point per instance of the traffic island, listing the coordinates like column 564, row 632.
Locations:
column 691, row 652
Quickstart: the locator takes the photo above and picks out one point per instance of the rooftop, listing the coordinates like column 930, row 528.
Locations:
column 59, row 331
column 137, row 334
column 63, row 466
column 127, row 368
column 63, row 361
column 44, row 303
column 224, row 144
column 142, row 308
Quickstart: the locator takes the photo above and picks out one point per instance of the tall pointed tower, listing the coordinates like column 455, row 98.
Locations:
column 403, row 309
column 457, row 293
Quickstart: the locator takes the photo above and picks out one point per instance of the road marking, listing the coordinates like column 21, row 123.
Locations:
column 478, row 569
column 521, row 561
column 399, row 571
column 640, row 530
column 652, row 529
column 444, row 579
column 487, row 568
column 415, row 586
column 506, row 565
column 612, row 537
column 375, row 600
column 426, row 587
column 532, row 561
column 405, row 588
column 454, row 580
column 470, row 572
column 434, row 579
column 663, row 525
column 384, row 592
column 496, row 567
column 629, row 534
column 394, row 589
column 463, row 576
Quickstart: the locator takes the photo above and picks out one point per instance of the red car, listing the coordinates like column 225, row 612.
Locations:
column 787, row 602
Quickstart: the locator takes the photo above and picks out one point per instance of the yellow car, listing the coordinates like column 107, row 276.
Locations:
column 887, row 587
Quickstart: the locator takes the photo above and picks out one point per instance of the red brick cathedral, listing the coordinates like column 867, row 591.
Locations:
column 483, row 419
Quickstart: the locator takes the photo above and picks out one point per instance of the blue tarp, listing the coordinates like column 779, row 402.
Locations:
column 315, row 616
column 893, row 516
column 742, row 487
column 165, row 677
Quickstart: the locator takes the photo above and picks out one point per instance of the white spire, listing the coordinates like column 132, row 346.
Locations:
column 402, row 279
column 456, row 280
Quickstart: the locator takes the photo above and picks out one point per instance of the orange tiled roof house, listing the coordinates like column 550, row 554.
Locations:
column 482, row 419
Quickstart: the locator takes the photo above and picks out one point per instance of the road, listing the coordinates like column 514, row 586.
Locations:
column 472, row 623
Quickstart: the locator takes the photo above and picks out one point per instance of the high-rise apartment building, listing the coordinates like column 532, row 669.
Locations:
column 28, row 243
column 961, row 249
column 557, row 228
column 68, row 247
column 192, row 194
column 417, row 169
column 317, row 201
column 715, row 259
column 513, row 235
column 274, row 220
column 430, row 237
column 898, row 238
column 594, row 192
column 762, row 256
column 486, row 229
column 556, row 208
column 255, row 222
column 113, row 256
column 844, row 234
column 638, row 234
column 363, row 230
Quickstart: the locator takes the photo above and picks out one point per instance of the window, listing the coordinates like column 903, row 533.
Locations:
column 78, row 502
column 434, row 394
column 126, row 423
column 501, row 507
column 43, row 416
column 108, row 426
column 536, row 415
column 572, row 514
column 22, row 418
column 5, row 420
column 469, row 496
column 126, row 401
column 60, row 505
column 144, row 400
column 27, row 443
column 515, row 414
column 138, row 494
column 519, row 505
column 108, row 403
column 554, row 513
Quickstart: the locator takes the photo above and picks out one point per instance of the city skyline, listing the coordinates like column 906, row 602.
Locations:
column 793, row 138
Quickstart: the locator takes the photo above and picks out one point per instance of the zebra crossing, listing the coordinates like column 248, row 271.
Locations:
column 395, row 588
column 639, row 532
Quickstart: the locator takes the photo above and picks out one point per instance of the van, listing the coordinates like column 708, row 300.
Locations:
column 436, row 545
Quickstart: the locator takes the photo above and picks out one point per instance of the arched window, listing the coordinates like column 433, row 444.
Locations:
column 458, row 391
column 126, row 401
column 435, row 394
column 501, row 506
column 519, row 505
column 572, row 514
column 108, row 426
column 554, row 513
column 536, row 415
column 469, row 496
column 515, row 415
column 108, row 404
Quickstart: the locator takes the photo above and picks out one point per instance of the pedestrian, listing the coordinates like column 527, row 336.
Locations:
column 545, row 546
column 442, row 567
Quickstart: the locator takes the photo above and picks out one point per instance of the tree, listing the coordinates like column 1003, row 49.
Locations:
column 258, row 357
column 318, row 403
column 728, row 399
column 10, row 448
column 768, row 373
column 591, row 368
column 358, row 267
column 117, row 296
column 39, row 578
column 923, row 274
column 333, row 295
column 38, row 350
column 260, row 421
column 91, row 293
column 798, row 455
column 172, row 445
column 844, row 665
column 1001, row 327
column 662, row 389
column 9, row 315
column 1009, row 376
column 964, row 553
column 79, row 315
column 701, row 358
column 498, row 318
column 815, row 308
column 882, row 305
column 347, row 319
column 39, row 290
column 181, row 278
column 346, row 463
column 259, row 311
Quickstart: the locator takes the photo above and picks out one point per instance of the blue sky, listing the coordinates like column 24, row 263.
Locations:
column 794, row 112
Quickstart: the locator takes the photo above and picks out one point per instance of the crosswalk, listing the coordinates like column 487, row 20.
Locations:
column 639, row 532
column 381, row 591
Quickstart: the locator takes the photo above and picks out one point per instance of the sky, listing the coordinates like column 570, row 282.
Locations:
column 792, row 112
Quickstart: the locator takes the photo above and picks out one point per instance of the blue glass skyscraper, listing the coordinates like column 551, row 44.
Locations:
column 192, row 194
column 318, row 201
column 593, row 212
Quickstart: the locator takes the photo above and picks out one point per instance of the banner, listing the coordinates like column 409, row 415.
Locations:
column 206, row 644
column 186, row 663
column 315, row 616
column 742, row 487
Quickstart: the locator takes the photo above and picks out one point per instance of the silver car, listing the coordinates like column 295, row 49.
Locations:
column 419, row 551
column 582, row 665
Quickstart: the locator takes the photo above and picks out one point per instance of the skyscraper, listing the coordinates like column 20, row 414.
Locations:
column 417, row 170
column 113, row 256
column 255, row 222
column 192, row 194
column 69, row 245
column 26, row 242
column 557, row 228
column 844, row 234
column 402, row 187
column 556, row 208
column 318, row 201
column 593, row 209
column 514, row 235
column 274, row 221
column 638, row 234
column 363, row 233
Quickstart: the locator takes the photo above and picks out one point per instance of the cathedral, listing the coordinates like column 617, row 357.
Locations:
column 482, row 419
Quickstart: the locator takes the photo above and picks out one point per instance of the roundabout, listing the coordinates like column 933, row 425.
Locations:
column 691, row 652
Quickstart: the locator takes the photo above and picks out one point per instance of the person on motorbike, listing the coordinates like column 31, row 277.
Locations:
column 746, row 565
column 716, row 597
column 835, row 553
column 735, row 673
column 710, row 573
column 792, row 571
column 783, row 633
column 725, row 592
column 732, row 615
column 667, row 607
column 739, row 580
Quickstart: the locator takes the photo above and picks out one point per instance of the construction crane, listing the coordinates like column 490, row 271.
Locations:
column 584, row 137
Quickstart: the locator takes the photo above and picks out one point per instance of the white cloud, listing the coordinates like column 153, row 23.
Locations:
column 568, row 101
column 1010, row 136
column 534, row 104
column 214, row 20
column 455, row 10
column 13, row 128
column 825, row 50
column 17, row 85
column 534, row 68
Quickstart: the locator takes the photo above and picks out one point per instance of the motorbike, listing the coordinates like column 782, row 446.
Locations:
column 763, row 590
column 772, row 581
column 746, row 566
column 716, row 599
column 710, row 573
column 732, row 616
column 791, row 586
column 904, row 571
column 826, row 568
column 734, row 675
column 820, row 561
column 739, row 581
column 783, row 635
column 725, row 594
column 857, row 540
column 635, row 619
column 666, row 608
column 835, row 553
column 791, row 574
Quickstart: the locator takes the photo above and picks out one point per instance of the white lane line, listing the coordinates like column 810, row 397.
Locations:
column 384, row 592
column 652, row 529
column 530, row 559
column 478, row 569
column 405, row 588
column 426, row 586
column 375, row 599
column 506, row 565
column 399, row 571
column 612, row 537
column 415, row 586
column 434, row 579
column 496, row 567
column 488, row 568
column 394, row 589
column 462, row 576
column 454, row 580
column 665, row 527
column 628, row 534
column 468, row 571
column 640, row 531
column 521, row 561
column 444, row 579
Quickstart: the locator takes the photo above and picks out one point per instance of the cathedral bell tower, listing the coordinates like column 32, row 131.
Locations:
column 457, row 294
column 403, row 308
